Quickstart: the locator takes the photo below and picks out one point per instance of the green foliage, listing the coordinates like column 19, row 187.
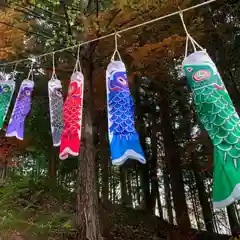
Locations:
column 38, row 125
column 26, row 205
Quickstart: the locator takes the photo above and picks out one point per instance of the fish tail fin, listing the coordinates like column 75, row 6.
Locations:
column 56, row 136
column 226, row 178
column 15, row 129
column 1, row 123
column 69, row 145
column 4, row 107
column 2, row 119
column 64, row 146
column 124, row 147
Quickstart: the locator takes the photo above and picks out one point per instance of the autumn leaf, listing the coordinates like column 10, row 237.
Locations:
column 13, row 40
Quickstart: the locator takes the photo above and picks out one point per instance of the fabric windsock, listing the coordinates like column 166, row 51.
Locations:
column 56, row 110
column 21, row 109
column 72, row 117
column 6, row 92
column 123, row 138
column 217, row 114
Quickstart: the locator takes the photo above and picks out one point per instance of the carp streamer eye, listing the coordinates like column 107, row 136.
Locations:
column 58, row 93
column 5, row 89
column 122, row 81
column 28, row 93
column 201, row 75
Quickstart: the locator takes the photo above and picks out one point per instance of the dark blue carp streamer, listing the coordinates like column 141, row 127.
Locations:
column 123, row 138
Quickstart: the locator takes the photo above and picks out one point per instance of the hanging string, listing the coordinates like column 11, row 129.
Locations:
column 15, row 68
column 14, row 73
column 4, row 71
column 189, row 37
column 186, row 46
column 77, row 67
column 116, row 48
column 54, row 76
column 31, row 71
column 118, row 32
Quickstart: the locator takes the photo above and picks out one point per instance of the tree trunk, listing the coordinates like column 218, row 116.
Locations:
column 206, row 209
column 52, row 165
column 97, row 172
column 173, row 158
column 154, row 177
column 193, row 198
column 129, row 188
column 104, row 161
column 138, row 194
column 114, row 185
column 144, row 168
column 160, row 212
column 146, row 196
column 111, row 183
column 168, row 195
column 233, row 220
column 87, row 201
column 123, row 183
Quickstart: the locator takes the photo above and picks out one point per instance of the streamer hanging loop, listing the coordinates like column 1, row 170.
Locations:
column 116, row 47
column 188, row 36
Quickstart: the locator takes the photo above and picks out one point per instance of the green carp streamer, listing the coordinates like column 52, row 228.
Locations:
column 217, row 114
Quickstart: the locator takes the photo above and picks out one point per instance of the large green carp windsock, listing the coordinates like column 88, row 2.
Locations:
column 217, row 114
column 6, row 92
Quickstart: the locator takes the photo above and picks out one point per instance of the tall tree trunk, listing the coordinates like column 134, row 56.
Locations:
column 114, row 184
column 160, row 212
column 52, row 165
column 97, row 172
column 104, row 160
column 129, row 188
column 138, row 194
column 168, row 195
column 144, row 168
column 146, row 196
column 154, row 177
column 173, row 158
column 192, row 188
column 111, row 182
column 233, row 220
column 206, row 208
column 87, row 201
column 123, row 183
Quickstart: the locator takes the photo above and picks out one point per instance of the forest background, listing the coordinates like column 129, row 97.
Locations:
column 87, row 197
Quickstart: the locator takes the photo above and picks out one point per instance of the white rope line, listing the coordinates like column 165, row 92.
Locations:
column 30, row 72
column 54, row 75
column 114, row 33
column 78, row 63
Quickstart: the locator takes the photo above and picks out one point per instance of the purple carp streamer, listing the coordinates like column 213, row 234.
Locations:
column 21, row 109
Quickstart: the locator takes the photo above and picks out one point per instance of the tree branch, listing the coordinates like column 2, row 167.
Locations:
column 31, row 32
column 66, row 17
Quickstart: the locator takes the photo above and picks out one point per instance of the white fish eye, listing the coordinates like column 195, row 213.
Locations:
column 28, row 93
column 5, row 89
column 122, row 80
column 58, row 93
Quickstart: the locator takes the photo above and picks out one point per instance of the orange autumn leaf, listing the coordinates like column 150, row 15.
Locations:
column 12, row 40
